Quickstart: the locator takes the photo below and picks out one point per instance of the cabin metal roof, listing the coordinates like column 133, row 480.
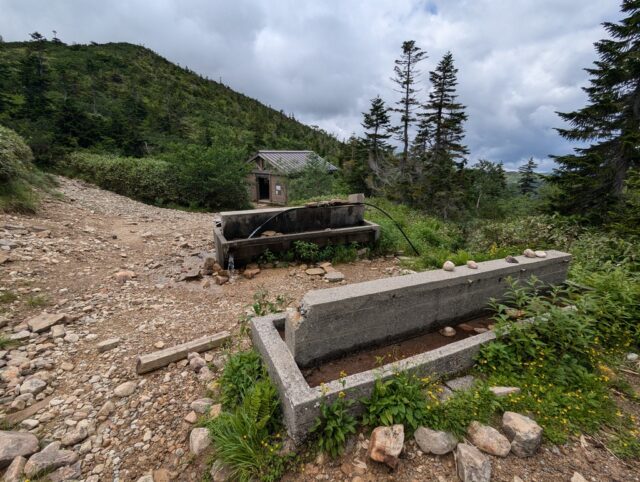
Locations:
column 290, row 162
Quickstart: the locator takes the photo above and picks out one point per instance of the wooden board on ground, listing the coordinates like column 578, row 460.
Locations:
column 161, row 358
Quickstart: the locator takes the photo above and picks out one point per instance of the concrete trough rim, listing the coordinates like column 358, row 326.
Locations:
column 298, row 397
column 436, row 278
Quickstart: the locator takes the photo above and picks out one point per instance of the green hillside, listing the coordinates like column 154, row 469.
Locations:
column 125, row 99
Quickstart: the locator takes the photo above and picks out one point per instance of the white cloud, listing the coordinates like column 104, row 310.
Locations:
column 519, row 61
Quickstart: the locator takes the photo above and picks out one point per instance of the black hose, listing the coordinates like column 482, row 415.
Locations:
column 257, row 230
column 397, row 226
column 279, row 213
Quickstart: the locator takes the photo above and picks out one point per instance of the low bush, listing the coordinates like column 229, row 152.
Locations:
column 194, row 177
column 19, row 179
column 334, row 425
column 241, row 372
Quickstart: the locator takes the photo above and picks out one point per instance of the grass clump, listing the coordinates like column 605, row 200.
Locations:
column 7, row 297
column 37, row 301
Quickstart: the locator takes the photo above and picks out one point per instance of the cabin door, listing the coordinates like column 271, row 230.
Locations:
column 263, row 188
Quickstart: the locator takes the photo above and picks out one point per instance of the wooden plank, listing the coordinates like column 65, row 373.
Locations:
column 161, row 358
column 17, row 417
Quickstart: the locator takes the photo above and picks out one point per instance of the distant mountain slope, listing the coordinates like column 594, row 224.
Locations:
column 126, row 99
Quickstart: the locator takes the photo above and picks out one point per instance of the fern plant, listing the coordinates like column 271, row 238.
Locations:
column 247, row 440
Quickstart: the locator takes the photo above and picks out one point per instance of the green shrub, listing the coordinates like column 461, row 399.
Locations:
column 240, row 374
column 247, row 439
column 18, row 177
column 334, row 425
column 315, row 181
column 192, row 176
column 463, row 407
column 399, row 399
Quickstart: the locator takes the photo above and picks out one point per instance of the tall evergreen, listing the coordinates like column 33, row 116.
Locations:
column 35, row 78
column 406, row 72
column 528, row 177
column 592, row 178
column 377, row 126
column 441, row 121
column 440, row 184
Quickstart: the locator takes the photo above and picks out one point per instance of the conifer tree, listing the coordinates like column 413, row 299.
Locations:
column 441, row 134
column 528, row 177
column 592, row 178
column 377, row 125
column 441, row 125
column 406, row 72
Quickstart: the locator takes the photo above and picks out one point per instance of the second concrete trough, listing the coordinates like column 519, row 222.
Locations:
column 337, row 320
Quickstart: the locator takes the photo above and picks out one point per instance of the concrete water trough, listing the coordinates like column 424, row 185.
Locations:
column 337, row 321
column 321, row 224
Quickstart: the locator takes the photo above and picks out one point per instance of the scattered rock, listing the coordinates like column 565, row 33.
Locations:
column 74, row 436
column 191, row 417
column 65, row 474
column 334, row 276
column 504, row 391
column 529, row 253
column 448, row 266
column 215, row 410
column 16, row 444
column 461, row 383
column 524, row 433
column 124, row 276
column 125, row 389
column 58, row 331
column 434, row 441
column 201, row 405
column 472, row 264
column 108, row 344
column 107, row 409
column 32, row 385
column 315, row 271
column 541, row 254
column 386, row 444
column 488, row 439
column 50, row 458
column 251, row 273
column 511, row 259
column 219, row 473
column 471, row 464
column 199, row 440
column 159, row 345
column 29, row 423
column 44, row 321
column 15, row 470
column 448, row 331
column 220, row 280
column 632, row 357
column 577, row 477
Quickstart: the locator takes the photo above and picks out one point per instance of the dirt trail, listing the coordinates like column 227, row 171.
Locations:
column 63, row 260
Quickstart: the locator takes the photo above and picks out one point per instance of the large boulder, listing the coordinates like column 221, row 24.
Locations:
column 16, row 444
column 386, row 444
column 435, row 441
column 488, row 439
column 525, row 434
column 50, row 458
column 471, row 464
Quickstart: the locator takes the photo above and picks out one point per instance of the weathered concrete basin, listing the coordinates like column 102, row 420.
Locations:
column 345, row 318
column 322, row 225
column 365, row 314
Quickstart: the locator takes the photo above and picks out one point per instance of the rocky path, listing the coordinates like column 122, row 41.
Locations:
column 106, row 268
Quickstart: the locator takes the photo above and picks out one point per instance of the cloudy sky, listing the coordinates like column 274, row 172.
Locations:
column 323, row 60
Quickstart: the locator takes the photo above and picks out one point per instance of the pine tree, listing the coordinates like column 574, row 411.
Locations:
column 377, row 125
column 35, row 79
column 439, row 143
column 441, row 126
column 528, row 178
column 592, row 178
column 406, row 72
